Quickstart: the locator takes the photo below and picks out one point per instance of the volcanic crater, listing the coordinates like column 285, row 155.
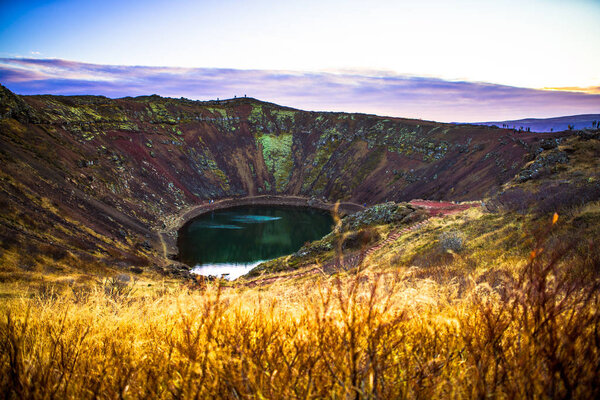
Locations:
column 110, row 181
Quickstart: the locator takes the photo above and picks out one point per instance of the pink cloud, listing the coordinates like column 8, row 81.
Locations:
column 375, row 92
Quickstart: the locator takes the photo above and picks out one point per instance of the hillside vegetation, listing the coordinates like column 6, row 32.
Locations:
column 505, row 317
column 87, row 180
column 495, row 297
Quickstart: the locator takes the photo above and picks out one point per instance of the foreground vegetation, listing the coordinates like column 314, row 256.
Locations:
column 528, row 327
column 498, row 301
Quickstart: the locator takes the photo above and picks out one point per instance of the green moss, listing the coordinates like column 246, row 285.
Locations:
column 221, row 111
column 281, row 114
column 285, row 119
column 328, row 142
column 205, row 163
column 406, row 140
column 160, row 114
column 367, row 166
column 320, row 184
column 277, row 153
column 223, row 178
column 256, row 115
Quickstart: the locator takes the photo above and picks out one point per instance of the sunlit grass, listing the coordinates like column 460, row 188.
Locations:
column 526, row 329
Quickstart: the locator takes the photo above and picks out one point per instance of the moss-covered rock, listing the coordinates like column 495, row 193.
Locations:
column 378, row 214
column 277, row 154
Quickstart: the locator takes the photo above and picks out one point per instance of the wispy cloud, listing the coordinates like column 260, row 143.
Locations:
column 376, row 92
column 589, row 89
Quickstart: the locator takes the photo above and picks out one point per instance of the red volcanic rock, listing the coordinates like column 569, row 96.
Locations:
column 96, row 178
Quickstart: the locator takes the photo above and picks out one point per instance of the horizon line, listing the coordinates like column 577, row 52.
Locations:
column 381, row 93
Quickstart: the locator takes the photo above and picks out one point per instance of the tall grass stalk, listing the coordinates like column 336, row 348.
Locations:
column 363, row 335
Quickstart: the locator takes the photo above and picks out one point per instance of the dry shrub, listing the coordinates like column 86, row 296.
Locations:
column 360, row 239
column 53, row 251
column 358, row 336
column 546, row 199
column 541, row 339
column 118, row 289
column 452, row 241
column 432, row 257
column 9, row 241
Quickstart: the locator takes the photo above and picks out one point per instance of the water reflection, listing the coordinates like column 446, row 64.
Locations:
column 233, row 241
column 228, row 271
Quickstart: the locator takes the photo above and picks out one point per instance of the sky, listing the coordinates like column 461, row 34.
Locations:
column 459, row 60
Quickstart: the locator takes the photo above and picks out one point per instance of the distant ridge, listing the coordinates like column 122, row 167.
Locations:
column 555, row 124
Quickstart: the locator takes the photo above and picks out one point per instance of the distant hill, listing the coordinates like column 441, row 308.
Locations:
column 556, row 124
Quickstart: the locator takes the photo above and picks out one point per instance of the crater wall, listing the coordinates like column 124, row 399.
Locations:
column 93, row 180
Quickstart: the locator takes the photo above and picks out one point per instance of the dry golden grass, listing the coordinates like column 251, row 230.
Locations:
column 529, row 331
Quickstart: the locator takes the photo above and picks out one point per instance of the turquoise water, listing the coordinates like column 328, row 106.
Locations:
column 233, row 241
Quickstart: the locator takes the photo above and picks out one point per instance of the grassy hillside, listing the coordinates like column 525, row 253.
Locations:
column 497, row 297
column 511, row 310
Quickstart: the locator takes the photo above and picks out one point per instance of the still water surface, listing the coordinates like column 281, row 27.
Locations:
column 235, row 240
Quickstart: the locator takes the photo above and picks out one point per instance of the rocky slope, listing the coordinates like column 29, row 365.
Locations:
column 93, row 179
column 563, row 178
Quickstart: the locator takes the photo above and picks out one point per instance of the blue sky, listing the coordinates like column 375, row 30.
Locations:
column 362, row 48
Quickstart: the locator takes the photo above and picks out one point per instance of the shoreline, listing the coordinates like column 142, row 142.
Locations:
column 168, row 236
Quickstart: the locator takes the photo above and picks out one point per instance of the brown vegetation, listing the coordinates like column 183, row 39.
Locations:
column 473, row 304
column 408, row 333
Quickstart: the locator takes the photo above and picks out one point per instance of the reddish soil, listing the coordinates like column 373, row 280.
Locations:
column 441, row 208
